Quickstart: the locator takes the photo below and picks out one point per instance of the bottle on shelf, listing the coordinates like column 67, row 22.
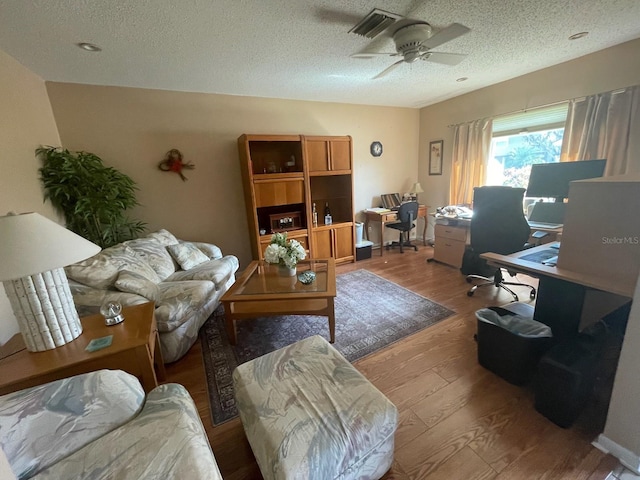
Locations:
column 327, row 214
column 315, row 215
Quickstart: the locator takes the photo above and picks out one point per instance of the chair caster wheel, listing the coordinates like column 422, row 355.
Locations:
column 470, row 294
column 532, row 295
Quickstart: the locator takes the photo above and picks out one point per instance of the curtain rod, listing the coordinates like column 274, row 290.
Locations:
column 526, row 109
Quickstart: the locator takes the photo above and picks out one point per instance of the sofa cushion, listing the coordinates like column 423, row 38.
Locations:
column 152, row 249
column 179, row 301
column 41, row 425
column 218, row 271
column 187, row 255
column 101, row 270
column 132, row 282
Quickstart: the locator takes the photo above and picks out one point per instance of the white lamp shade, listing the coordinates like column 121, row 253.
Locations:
column 416, row 188
column 31, row 243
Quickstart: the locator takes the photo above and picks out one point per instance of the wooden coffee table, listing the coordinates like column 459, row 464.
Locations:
column 261, row 292
column 135, row 348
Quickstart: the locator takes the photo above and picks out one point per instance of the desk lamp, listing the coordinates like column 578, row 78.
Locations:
column 33, row 251
column 416, row 189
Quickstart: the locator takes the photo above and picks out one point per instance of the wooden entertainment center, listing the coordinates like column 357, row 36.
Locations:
column 284, row 176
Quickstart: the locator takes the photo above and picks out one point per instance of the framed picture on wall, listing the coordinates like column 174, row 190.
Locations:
column 435, row 157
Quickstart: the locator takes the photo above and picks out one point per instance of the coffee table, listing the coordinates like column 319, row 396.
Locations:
column 135, row 348
column 261, row 292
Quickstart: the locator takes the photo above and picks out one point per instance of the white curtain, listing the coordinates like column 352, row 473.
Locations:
column 471, row 146
column 606, row 125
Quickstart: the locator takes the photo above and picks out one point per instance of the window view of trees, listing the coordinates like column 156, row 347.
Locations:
column 512, row 156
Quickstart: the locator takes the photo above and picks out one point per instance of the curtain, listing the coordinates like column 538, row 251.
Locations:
column 606, row 125
column 471, row 145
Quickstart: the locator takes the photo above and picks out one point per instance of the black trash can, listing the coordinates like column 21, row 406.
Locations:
column 510, row 342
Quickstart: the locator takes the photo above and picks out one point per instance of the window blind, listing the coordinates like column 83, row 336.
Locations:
column 544, row 118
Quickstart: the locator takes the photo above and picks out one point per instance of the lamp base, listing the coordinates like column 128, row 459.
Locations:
column 44, row 308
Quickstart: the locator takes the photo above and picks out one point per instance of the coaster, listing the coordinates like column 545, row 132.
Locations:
column 99, row 343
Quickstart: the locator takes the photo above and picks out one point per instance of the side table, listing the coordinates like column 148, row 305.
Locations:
column 135, row 349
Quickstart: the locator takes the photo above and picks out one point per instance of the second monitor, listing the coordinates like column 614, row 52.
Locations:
column 551, row 180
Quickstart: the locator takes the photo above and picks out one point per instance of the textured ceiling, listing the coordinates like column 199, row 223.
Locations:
column 299, row 49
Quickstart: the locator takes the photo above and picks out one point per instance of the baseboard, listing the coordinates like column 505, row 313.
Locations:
column 626, row 457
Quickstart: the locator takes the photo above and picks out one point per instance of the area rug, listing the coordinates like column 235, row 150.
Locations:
column 371, row 313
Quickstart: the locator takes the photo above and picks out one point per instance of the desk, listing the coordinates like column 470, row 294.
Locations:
column 135, row 349
column 452, row 236
column 389, row 217
column 566, row 297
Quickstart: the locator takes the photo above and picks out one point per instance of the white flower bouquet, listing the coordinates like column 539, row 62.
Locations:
column 284, row 252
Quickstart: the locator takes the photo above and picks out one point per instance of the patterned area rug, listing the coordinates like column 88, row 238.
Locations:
column 371, row 313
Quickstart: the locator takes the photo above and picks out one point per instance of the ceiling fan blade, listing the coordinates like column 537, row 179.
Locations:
column 374, row 54
column 445, row 35
column 444, row 58
column 388, row 69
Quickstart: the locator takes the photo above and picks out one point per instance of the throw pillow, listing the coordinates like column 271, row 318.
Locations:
column 101, row 270
column 131, row 282
column 187, row 255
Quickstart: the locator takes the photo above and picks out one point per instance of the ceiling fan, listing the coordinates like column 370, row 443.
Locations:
column 413, row 40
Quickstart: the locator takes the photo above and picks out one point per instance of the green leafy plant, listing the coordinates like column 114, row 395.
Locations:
column 92, row 197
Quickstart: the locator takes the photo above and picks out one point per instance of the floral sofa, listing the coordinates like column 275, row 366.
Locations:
column 99, row 425
column 184, row 279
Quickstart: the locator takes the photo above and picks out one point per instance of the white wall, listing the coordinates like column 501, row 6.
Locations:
column 25, row 124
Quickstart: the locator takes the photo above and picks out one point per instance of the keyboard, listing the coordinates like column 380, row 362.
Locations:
column 544, row 256
column 544, row 225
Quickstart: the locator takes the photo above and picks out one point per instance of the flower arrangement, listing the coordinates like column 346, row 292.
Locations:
column 284, row 252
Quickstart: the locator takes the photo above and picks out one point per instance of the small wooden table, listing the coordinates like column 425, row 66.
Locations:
column 389, row 217
column 135, row 348
column 261, row 292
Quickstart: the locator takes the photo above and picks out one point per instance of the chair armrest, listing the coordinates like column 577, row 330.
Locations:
column 166, row 440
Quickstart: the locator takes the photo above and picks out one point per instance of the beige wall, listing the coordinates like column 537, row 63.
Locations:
column 132, row 129
column 25, row 124
column 602, row 71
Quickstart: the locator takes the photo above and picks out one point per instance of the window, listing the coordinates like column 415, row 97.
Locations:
column 522, row 139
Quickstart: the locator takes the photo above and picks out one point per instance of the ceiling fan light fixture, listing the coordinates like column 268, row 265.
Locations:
column 89, row 47
column 576, row 36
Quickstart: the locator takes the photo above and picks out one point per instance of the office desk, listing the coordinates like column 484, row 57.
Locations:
column 452, row 236
column 566, row 298
column 390, row 217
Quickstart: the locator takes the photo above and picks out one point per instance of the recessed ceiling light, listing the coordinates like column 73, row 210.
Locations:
column 462, row 79
column 89, row 47
column 576, row 36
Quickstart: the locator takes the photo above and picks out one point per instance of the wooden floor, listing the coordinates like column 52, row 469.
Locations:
column 457, row 420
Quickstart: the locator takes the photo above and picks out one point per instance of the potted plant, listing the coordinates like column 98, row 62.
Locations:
column 92, row 197
column 285, row 253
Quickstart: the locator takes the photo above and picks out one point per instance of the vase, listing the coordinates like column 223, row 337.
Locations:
column 285, row 271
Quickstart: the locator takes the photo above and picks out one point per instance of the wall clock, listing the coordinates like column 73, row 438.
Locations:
column 376, row 149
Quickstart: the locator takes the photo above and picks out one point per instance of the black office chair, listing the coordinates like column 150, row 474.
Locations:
column 407, row 213
column 498, row 225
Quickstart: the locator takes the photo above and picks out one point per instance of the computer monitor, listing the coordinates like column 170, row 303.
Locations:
column 551, row 180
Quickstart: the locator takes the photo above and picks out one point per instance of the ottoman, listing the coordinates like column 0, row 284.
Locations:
column 309, row 414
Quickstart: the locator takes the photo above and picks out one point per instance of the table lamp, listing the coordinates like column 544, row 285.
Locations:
column 33, row 251
column 416, row 189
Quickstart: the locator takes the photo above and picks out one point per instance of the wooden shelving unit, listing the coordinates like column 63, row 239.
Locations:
column 283, row 175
